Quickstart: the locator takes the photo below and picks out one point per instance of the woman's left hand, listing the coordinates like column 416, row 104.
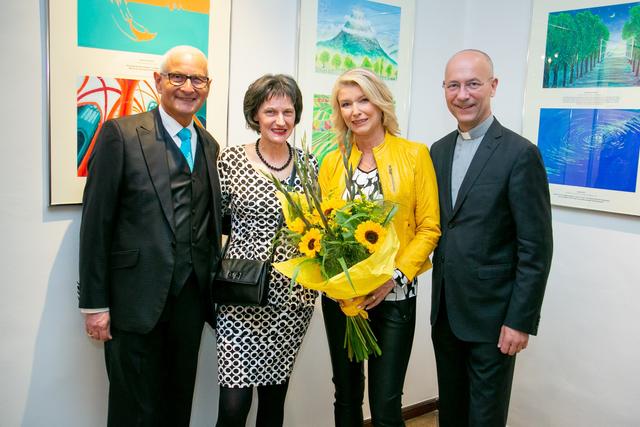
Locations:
column 378, row 295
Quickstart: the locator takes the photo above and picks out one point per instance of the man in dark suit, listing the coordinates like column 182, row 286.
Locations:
column 490, row 268
column 149, row 241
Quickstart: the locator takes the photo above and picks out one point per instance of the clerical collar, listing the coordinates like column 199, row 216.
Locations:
column 478, row 131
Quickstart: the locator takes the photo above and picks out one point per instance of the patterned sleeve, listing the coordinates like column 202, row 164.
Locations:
column 314, row 163
column 405, row 287
column 312, row 160
column 400, row 279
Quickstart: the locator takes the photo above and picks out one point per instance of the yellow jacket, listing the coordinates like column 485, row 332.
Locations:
column 408, row 179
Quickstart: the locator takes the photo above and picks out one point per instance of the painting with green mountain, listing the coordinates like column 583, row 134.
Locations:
column 357, row 33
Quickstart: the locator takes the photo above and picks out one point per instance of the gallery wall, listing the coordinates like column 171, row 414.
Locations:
column 581, row 370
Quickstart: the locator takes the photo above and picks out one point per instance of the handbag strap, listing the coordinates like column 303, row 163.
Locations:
column 292, row 179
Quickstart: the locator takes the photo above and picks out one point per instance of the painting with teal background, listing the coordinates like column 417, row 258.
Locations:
column 141, row 26
column 358, row 33
column 592, row 148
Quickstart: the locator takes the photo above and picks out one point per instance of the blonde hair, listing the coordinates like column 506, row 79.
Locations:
column 375, row 90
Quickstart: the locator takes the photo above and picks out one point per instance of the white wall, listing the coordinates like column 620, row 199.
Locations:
column 581, row 371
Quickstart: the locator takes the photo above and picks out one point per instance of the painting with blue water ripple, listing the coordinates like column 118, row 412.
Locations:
column 593, row 148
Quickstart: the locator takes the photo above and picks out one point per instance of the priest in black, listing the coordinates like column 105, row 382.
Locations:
column 149, row 241
column 490, row 268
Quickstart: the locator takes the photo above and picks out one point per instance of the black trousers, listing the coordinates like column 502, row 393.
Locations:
column 152, row 376
column 393, row 323
column 474, row 378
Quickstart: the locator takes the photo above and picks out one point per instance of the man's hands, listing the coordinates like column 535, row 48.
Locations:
column 98, row 325
column 512, row 341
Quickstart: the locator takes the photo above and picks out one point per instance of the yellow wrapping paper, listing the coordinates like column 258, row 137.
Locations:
column 366, row 275
column 362, row 278
column 350, row 307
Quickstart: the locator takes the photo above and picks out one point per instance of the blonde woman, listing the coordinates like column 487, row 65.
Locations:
column 391, row 168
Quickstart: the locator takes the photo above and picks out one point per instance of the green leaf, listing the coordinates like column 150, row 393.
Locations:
column 390, row 215
column 346, row 272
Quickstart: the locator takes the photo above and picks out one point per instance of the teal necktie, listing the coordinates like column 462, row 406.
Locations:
column 185, row 146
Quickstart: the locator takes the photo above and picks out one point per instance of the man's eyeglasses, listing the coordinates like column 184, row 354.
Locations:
column 177, row 79
column 471, row 86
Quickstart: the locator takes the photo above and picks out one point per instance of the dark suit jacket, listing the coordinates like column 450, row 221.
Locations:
column 127, row 235
column 494, row 254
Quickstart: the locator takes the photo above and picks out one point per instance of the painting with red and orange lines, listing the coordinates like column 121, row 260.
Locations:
column 143, row 26
column 99, row 99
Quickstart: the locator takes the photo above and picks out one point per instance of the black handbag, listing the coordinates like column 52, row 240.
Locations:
column 244, row 281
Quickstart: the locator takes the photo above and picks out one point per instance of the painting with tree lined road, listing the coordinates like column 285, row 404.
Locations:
column 593, row 47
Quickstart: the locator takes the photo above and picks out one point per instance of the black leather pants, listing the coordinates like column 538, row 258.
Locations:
column 393, row 323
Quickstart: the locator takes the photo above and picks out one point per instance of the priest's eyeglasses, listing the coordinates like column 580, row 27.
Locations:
column 470, row 86
column 177, row 79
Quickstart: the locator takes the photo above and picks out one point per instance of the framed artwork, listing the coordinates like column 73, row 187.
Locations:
column 338, row 35
column 582, row 101
column 101, row 59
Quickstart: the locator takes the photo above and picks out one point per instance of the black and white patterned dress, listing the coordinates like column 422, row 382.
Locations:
column 258, row 345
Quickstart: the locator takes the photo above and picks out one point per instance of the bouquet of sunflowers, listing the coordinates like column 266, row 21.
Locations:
column 348, row 247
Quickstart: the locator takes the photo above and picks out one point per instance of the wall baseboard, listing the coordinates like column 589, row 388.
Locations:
column 413, row 411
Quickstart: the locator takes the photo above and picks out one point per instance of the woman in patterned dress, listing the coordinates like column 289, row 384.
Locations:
column 257, row 346
column 387, row 167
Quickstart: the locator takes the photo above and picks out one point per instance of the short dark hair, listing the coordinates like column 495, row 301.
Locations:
column 265, row 88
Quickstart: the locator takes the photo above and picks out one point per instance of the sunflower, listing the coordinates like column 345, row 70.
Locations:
column 371, row 235
column 329, row 206
column 297, row 226
column 314, row 218
column 310, row 242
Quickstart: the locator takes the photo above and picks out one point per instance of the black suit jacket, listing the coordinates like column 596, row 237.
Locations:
column 127, row 238
column 494, row 254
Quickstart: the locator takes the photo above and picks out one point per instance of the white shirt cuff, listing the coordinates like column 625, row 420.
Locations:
column 93, row 310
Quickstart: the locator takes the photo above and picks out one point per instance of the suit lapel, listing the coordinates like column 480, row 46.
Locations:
column 210, row 152
column 209, row 156
column 151, row 134
column 449, row 149
column 486, row 149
